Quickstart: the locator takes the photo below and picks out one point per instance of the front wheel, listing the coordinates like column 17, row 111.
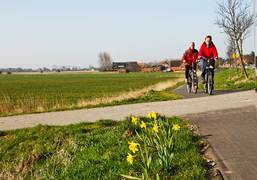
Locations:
column 194, row 89
column 188, row 88
column 189, row 84
column 195, row 83
column 206, row 84
column 210, row 84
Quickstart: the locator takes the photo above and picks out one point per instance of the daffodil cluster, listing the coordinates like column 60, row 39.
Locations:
column 153, row 134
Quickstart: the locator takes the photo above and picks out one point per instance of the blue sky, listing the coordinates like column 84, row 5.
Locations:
column 61, row 32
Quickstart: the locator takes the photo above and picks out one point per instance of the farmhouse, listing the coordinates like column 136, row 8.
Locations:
column 165, row 66
column 127, row 66
column 170, row 65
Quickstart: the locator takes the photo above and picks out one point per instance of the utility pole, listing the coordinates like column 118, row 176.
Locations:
column 254, row 35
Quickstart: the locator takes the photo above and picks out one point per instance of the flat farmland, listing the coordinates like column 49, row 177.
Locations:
column 27, row 93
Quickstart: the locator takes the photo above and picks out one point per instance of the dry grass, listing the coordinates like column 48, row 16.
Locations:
column 131, row 94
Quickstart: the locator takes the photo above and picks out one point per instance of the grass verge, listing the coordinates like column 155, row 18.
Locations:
column 232, row 79
column 88, row 150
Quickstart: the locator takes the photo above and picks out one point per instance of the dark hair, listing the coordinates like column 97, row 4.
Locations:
column 209, row 36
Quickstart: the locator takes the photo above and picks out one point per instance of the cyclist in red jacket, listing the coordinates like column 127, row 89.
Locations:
column 207, row 51
column 189, row 59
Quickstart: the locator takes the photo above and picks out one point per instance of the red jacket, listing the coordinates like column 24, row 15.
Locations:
column 190, row 55
column 208, row 52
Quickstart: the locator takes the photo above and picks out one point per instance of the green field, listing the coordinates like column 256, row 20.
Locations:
column 47, row 92
column 89, row 151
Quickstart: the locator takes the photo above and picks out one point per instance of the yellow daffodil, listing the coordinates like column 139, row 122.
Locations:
column 130, row 158
column 134, row 119
column 155, row 128
column 143, row 125
column 149, row 115
column 152, row 115
column 175, row 127
column 133, row 146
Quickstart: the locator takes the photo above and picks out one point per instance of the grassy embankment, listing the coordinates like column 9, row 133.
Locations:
column 231, row 79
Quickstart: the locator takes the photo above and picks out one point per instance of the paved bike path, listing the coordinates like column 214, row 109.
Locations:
column 168, row 108
column 232, row 134
column 182, row 90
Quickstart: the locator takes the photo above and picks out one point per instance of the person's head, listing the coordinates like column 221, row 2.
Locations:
column 208, row 40
column 192, row 45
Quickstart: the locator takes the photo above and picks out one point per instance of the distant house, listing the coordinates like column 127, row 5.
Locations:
column 127, row 66
column 170, row 65
column 175, row 63
column 249, row 58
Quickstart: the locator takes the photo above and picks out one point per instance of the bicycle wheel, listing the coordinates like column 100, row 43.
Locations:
column 189, row 87
column 206, row 83
column 195, row 83
column 189, row 84
column 210, row 83
column 194, row 89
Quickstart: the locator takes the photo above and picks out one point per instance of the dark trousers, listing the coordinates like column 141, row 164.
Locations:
column 188, row 67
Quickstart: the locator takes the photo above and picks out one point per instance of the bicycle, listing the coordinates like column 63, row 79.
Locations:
column 209, row 76
column 192, row 81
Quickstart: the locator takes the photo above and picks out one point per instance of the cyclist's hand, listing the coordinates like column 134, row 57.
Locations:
column 184, row 61
column 200, row 57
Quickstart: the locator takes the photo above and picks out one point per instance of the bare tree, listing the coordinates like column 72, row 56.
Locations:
column 235, row 19
column 105, row 61
column 229, row 54
column 231, row 50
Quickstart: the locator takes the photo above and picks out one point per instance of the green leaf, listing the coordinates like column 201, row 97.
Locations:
column 130, row 177
column 149, row 161
column 157, row 177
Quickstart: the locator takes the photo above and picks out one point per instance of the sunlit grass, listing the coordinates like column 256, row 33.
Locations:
column 87, row 151
column 232, row 79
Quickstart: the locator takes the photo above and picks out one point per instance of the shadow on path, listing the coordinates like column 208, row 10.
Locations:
column 182, row 90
